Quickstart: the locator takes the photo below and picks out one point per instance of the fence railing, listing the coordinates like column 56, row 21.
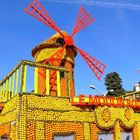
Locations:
column 24, row 78
column 132, row 95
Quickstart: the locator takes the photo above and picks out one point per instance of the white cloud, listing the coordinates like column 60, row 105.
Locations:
column 99, row 3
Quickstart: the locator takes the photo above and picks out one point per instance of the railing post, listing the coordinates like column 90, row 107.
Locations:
column 17, row 74
column 36, row 80
column 7, row 89
column 47, row 82
column 13, row 80
column 58, row 84
column 2, row 96
column 68, row 83
column 1, row 93
column 4, row 91
column 23, row 78
column 134, row 96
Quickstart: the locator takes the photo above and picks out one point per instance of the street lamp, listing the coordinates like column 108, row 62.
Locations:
column 111, row 90
column 93, row 87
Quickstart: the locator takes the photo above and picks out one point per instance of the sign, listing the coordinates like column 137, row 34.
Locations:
column 90, row 100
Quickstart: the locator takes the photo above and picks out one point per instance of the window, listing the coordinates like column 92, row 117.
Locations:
column 3, row 138
column 105, row 136
column 126, row 136
column 64, row 137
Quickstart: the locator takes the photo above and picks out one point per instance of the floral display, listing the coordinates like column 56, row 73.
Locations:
column 37, row 117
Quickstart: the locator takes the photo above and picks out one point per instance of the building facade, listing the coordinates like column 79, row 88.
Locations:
column 46, row 112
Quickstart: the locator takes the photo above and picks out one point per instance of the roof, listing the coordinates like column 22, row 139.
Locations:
column 54, row 41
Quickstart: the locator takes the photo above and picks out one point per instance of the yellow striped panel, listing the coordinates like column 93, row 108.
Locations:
column 58, row 84
column 36, row 80
column 47, row 82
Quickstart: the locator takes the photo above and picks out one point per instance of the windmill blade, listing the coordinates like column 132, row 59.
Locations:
column 37, row 10
column 56, row 58
column 83, row 20
column 96, row 66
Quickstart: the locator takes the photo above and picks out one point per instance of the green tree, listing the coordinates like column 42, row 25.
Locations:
column 113, row 84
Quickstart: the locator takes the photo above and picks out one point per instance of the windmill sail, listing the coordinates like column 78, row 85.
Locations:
column 37, row 10
column 83, row 20
column 96, row 66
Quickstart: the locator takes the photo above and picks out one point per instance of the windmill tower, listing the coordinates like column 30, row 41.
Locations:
column 65, row 49
column 43, row 52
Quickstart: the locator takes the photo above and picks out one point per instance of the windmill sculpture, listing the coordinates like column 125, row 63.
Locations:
column 37, row 10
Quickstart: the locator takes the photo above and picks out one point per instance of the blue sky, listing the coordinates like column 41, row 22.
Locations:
column 113, row 38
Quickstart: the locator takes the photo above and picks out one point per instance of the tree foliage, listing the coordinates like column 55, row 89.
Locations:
column 113, row 84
